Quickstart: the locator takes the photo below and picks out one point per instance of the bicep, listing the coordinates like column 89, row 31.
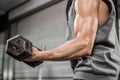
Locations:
column 86, row 20
column 86, row 7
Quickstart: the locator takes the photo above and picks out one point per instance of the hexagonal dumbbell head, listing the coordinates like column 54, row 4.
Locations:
column 20, row 48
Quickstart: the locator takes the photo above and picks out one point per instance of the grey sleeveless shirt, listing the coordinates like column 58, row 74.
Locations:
column 105, row 58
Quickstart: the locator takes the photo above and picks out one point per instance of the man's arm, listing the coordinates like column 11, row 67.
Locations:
column 85, row 27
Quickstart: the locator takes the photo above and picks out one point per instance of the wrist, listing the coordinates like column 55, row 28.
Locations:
column 43, row 55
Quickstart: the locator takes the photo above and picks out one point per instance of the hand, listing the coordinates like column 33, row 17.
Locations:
column 35, row 55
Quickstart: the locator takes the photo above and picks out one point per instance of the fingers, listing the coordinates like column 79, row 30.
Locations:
column 29, row 59
column 34, row 48
column 33, row 57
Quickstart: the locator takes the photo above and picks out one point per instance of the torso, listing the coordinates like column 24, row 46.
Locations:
column 106, row 46
column 104, row 11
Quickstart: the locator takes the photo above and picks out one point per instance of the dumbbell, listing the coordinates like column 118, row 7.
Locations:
column 20, row 48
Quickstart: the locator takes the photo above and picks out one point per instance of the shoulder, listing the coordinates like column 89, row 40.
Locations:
column 86, row 5
column 87, row 2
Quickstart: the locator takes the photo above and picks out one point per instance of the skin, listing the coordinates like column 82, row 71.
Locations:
column 86, row 23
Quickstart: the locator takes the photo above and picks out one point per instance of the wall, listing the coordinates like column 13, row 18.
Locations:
column 46, row 30
column 2, row 44
column 31, row 4
column 3, row 37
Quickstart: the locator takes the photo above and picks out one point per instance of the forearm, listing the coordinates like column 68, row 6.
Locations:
column 68, row 51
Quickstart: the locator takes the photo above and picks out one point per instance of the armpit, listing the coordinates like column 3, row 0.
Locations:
column 104, row 11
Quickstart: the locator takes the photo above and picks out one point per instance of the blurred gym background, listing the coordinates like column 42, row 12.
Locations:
column 43, row 22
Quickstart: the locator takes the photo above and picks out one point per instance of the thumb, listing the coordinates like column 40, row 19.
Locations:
column 34, row 48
